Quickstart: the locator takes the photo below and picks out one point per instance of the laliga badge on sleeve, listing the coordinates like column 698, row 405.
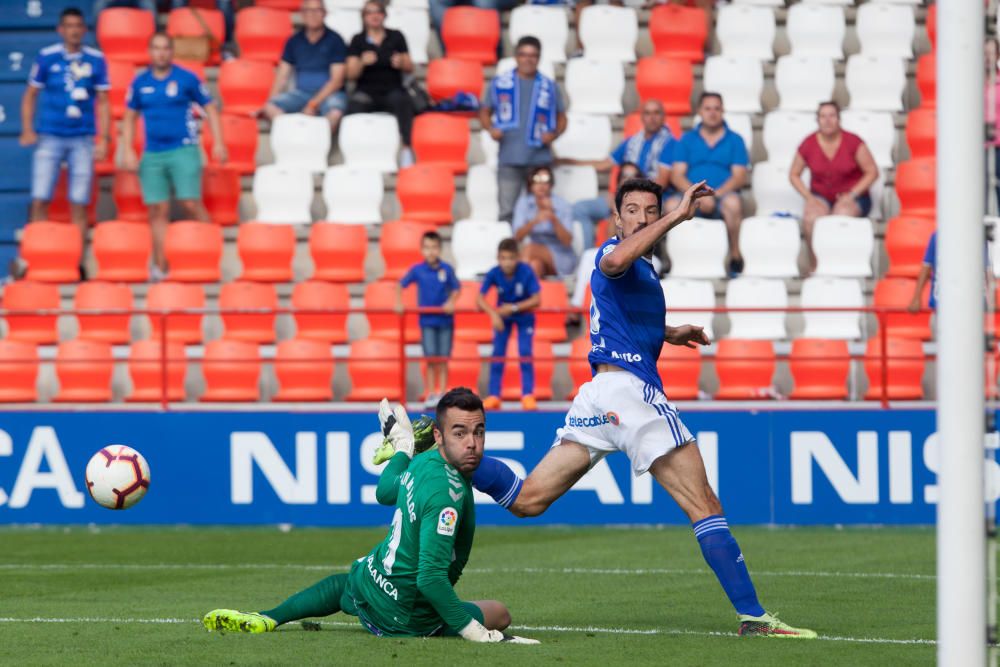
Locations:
column 447, row 521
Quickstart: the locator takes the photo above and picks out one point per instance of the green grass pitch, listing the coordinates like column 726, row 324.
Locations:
column 593, row 596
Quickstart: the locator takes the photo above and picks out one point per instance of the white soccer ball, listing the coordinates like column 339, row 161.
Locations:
column 117, row 477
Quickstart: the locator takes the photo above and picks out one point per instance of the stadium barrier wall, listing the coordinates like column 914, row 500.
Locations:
column 311, row 468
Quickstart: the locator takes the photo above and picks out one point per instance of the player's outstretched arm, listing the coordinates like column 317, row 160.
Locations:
column 687, row 335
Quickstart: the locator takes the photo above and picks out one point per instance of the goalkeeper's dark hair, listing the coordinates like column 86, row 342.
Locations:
column 638, row 185
column 462, row 398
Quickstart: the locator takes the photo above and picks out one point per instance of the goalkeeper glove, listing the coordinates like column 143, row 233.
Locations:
column 477, row 632
column 422, row 429
column 396, row 429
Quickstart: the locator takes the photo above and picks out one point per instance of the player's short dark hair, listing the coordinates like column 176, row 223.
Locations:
column 621, row 170
column 70, row 11
column 637, row 185
column 160, row 33
column 829, row 103
column 708, row 93
column 529, row 40
column 462, row 398
column 508, row 245
column 431, row 236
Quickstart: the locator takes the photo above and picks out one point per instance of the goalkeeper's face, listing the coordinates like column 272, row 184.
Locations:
column 460, row 437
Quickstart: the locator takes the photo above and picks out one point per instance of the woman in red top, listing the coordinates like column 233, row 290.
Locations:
column 841, row 168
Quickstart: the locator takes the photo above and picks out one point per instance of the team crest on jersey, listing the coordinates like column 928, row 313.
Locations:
column 171, row 89
column 614, row 419
column 607, row 249
column 447, row 521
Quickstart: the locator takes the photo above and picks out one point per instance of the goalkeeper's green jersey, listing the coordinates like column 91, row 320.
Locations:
column 405, row 586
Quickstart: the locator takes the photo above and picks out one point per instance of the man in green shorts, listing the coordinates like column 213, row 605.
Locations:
column 405, row 586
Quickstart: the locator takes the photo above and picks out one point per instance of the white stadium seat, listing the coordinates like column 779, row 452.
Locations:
column 740, row 81
column 745, row 31
column 816, row 30
column 841, row 3
column 830, row 292
column 803, row 82
column 301, row 141
column 913, row 3
column 550, row 24
column 609, row 33
column 876, row 128
column 474, row 246
column 282, row 195
column 344, row 22
column 546, row 67
column 681, row 293
column 353, row 195
column 698, row 248
column 761, row 3
column 875, row 83
column 412, row 4
column 877, row 191
column 886, row 30
column 481, row 191
column 332, row 5
column 574, row 182
column 415, row 26
column 587, row 137
column 773, row 192
column 843, row 246
column 750, row 292
column 491, row 148
column 370, row 140
column 784, row 131
column 595, row 86
column 770, row 247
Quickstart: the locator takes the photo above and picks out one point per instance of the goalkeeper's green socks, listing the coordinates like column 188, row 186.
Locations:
column 320, row 599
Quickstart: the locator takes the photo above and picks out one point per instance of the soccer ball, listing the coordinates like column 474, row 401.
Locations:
column 117, row 477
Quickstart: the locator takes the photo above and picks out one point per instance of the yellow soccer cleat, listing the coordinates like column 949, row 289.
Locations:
column 768, row 625
column 237, row 621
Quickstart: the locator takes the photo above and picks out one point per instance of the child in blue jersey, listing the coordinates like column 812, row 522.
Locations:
column 517, row 296
column 437, row 287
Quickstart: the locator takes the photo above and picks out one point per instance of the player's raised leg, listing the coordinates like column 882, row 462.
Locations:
column 320, row 599
column 561, row 468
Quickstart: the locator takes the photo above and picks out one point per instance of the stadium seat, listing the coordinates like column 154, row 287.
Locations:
column 370, row 140
column 594, row 86
column 240, row 295
column 930, row 21
column 127, row 194
column 27, row 295
column 490, row 148
column 383, row 321
column 579, row 366
column 239, row 134
column 877, row 129
column 114, row 303
column 784, row 131
column 338, row 252
column 10, row 102
column 820, row 369
column 15, row 174
column 470, row 323
column 885, row 29
column 916, row 187
column 482, row 192
column 745, row 31
column 474, row 246
column 320, row 295
column 471, row 33
column 548, row 23
column 165, row 301
column 895, row 293
column 744, row 368
column 416, row 28
column 668, row 80
column 266, row 252
column 608, row 33
column 906, row 242
column 425, row 193
column 19, row 368
column 122, row 251
column 194, row 252
column 748, row 292
column 301, row 141
column 304, row 369
column 344, row 21
column 120, row 76
column 876, row 83
column 40, row 14
column 183, row 23
column 244, row 85
column 84, row 368
column 400, row 246
column 681, row 293
column 921, row 132
column 816, row 30
column 464, row 365
column 772, row 191
column 552, row 326
column 679, row 368
column 220, row 192
column 843, row 246
column 447, row 77
column 830, row 292
column 927, row 79
column 232, row 372
column 575, row 182
column 587, row 137
column 740, row 81
column 441, row 139
column 145, row 367
column 904, row 369
column 374, row 367
column 261, row 33
column 545, row 364
column 803, row 81
column 18, row 51
column 770, row 247
column 698, row 248
column 353, row 195
column 53, row 251
column 678, row 32
column 283, row 195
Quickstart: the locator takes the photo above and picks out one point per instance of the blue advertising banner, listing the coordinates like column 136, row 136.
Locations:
column 782, row 467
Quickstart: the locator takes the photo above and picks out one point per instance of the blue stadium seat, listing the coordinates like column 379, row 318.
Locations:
column 18, row 51
column 10, row 108
column 39, row 14
column 15, row 216
column 15, row 167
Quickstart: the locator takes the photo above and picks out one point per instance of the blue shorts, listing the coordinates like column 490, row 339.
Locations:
column 436, row 341
column 51, row 153
column 864, row 203
column 295, row 100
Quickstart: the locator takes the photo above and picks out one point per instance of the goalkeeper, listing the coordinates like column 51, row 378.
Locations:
column 405, row 586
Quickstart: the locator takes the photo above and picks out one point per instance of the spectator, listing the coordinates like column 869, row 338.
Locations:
column 68, row 77
column 928, row 271
column 316, row 55
column 543, row 225
column 841, row 171
column 992, row 101
column 517, row 296
column 437, row 287
column 377, row 58
column 524, row 111
column 713, row 153
column 167, row 96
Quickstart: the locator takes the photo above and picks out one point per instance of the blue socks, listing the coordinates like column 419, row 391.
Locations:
column 723, row 555
column 498, row 481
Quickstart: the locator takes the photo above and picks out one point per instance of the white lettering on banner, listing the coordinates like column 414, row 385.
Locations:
column 43, row 447
column 900, row 468
column 991, row 468
column 600, row 480
column 808, row 446
column 338, row 468
column 6, row 449
column 368, row 446
column 249, row 447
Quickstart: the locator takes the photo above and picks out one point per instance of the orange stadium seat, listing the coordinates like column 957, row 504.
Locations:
column 127, row 193
column 232, row 371
column 122, row 250
column 120, row 75
column 448, row 76
column 373, row 365
column 745, row 369
column 239, row 133
column 400, row 246
column 266, row 251
column 320, row 295
column 819, row 368
column 904, row 370
column 545, row 366
column 220, row 192
column 95, row 295
column 381, row 295
column 19, row 369
column 28, row 295
column 931, row 21
column 426, row 192
column 916, row 187
column 304, row 368
column 905, row 242
column 59, row 210
column 171, row 298
column 927, row 79
column 896, row 293
column 261, row 33
column 465, row 365
column 667, row 80
column 579, row 366
column 338, row 252
column 552, row 326
column 287, row 5
column 472, row 324
column 183, row 23
column 145, row 367
column 679, row 368
column 633, row 124
column 678, row 32
column 84, row 368
column 124, row 33
column 921, row 132
column 244, row 85
column 53, row 251
column 441, row 139
column 470, row 33
column 194, row 251
column 245, row 295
